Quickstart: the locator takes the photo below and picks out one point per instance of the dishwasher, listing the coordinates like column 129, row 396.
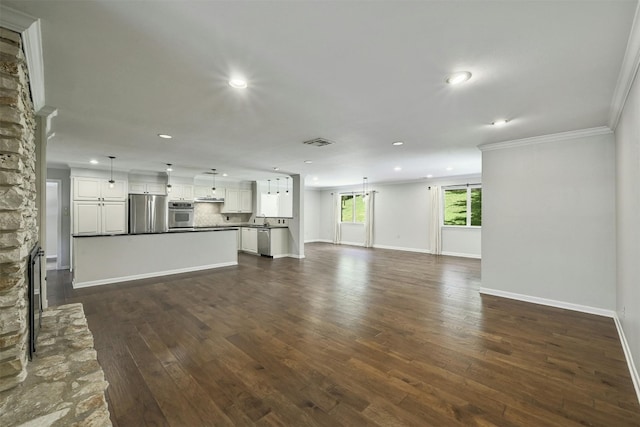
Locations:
column 264, row 241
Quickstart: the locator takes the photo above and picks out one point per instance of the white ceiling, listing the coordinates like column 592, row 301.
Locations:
column 362, row 74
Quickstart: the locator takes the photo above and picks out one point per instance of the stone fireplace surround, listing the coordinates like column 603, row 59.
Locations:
column 64, row 384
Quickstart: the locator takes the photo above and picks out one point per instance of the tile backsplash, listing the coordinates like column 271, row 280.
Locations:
column 208, row 215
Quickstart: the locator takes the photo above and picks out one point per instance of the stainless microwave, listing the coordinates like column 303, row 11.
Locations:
column 181, row 214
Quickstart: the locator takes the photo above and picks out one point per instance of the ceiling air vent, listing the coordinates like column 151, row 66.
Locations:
column 318, row 142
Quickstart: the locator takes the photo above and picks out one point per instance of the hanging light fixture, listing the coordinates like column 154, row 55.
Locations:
column 213, row 174
column 169, row 169
column 112, row 183
column 287, row 192
column 277, row 185
column 364, row 188
column 269, row 181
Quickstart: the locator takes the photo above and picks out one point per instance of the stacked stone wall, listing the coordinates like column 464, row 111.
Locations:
column 18, row 213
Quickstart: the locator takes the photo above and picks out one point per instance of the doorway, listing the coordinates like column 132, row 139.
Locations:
column 53, row 249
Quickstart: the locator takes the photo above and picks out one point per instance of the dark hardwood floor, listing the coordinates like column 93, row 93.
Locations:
column 348, row 336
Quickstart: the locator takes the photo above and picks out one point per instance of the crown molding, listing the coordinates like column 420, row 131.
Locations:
column 555, row 137
column 628, row 72
column 29, row 28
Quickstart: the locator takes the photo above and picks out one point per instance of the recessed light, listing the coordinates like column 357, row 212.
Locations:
column 500, row 122
column 429, row 176
column 449, row 168
column 93, row 161
column 169, row 169
column 238, row 83
column 397, row 143
column 458, row 77
column 164, row 136
column 224, row 174
column 276, row 168
column 308, row 162
column 397, row 168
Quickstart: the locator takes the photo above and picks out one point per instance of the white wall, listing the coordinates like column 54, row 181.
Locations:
column 628, row 220
column 401, row 219
column 65, row 235
column 312, row 200
column 549, row 221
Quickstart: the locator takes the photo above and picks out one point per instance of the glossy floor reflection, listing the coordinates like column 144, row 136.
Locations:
column 348, row 336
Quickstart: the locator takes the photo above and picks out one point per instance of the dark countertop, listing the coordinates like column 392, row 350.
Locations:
column 177, row 230
column 191, row 230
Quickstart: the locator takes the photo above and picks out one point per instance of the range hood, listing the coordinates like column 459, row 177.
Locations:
column 210, row 199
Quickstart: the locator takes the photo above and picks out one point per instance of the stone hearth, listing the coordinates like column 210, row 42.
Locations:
column 65, row 384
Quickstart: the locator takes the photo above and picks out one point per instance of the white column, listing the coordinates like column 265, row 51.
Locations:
column 296, row 226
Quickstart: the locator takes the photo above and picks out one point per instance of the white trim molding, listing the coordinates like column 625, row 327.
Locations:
column 627, row 354
column 628, row 72
column 399, row 248
column 148, row 275
column 555, row 137
column 548, row 302
column 29, row 27
column 461, row 255
column 318, row 241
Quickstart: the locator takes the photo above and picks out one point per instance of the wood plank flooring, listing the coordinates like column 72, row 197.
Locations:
column 348, row 336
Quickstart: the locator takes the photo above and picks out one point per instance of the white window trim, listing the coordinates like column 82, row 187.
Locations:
column 467, row 187
column 353, row 212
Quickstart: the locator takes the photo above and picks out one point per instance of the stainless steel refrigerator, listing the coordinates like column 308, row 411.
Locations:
column 147, row 214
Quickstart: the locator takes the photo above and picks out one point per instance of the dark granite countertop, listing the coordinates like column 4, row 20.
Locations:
column 177, row 230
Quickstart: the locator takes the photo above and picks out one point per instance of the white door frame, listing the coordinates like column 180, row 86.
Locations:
column 59, row 223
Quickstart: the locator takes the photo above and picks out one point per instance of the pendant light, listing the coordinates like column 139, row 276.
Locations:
column 269, row 181
column 287, row 192
column 112, row 183
column 169, row 169
column 213, row 174
column 277, row 185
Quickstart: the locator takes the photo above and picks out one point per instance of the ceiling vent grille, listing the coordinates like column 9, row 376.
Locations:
column 318, row 142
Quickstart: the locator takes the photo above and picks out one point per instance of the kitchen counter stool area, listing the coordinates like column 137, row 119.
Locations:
column 99, row 260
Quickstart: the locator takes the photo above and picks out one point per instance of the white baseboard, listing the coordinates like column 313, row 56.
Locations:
column 51, row 257
column 319, row 241
column 352, row 243
column 459, row 254
column 64, row 267
column 295, row 256
column 549, row 302
column 627, row 354
column 149, row 275
column 400, row 248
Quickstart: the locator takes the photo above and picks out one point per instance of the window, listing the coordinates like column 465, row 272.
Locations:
column 352, row 208
column 463, row 206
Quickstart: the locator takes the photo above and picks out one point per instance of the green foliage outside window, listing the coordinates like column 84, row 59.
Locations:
column 456, row 207
column 352, row 208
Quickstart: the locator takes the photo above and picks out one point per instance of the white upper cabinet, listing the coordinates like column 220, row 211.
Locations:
column 237, row 201
column 181, row 192
column 202, row 191
column 85, row 188
column 147, row 188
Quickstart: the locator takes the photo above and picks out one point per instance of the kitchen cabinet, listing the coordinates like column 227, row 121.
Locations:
column 237, row 201
column 279, row 242
column 98, row 189
column 181, row 192
column 147, row 188
column 285, row 205
column 96, row 217
column 202, row 191
column 249, row 240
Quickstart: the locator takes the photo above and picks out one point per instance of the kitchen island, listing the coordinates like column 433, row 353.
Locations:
column 100, row 259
